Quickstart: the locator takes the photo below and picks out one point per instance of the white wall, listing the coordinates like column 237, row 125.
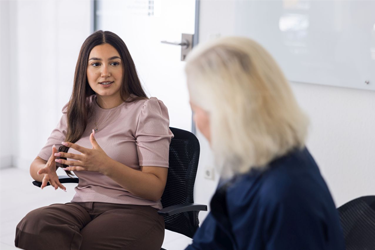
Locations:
column 6, row 76
column 342, row 137
column 45, row 37
column 342, row 131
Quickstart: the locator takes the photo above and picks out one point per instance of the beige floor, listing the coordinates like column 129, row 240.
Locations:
column 18, row 196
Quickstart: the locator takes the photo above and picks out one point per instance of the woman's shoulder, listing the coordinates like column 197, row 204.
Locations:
column 145, row 102
column 288, row 177
column 64, row 110
column 90, row 101
column 150, row 105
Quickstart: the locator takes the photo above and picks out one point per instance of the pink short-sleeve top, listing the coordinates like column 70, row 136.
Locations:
column 134, row 133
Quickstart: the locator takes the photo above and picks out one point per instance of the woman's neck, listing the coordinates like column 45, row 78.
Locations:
column 108, row 102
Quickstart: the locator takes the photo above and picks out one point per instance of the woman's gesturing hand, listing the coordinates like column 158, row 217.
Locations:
column 89, row 160
column 49, row 171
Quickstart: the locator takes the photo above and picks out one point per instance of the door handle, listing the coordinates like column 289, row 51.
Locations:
column 183, row 43
column 186, row 44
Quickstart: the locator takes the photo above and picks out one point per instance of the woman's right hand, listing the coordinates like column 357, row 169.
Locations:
column 49, row 171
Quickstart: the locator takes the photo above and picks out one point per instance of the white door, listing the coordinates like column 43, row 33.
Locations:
column 143, row 24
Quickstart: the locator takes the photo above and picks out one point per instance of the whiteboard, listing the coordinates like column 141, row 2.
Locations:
column 329, row 42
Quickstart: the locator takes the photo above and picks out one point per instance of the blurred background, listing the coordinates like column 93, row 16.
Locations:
column 326, row 49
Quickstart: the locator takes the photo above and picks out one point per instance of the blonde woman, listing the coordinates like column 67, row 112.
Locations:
column 272, row 195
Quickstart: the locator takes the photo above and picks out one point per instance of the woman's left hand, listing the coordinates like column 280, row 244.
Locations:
column 94, row 159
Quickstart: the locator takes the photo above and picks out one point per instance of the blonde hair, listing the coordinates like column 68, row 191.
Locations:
column 254, row 117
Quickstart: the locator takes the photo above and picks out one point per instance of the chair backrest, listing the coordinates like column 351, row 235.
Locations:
column 183, row 164
column 358, row 223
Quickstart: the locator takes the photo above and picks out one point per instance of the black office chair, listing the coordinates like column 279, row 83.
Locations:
column 358, row 223
column 179, row 211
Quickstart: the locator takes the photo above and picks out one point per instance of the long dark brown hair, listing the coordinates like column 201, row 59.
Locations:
column 78, row 107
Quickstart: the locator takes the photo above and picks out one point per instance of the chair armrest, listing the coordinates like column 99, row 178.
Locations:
column 62, row 179
column 175, row 209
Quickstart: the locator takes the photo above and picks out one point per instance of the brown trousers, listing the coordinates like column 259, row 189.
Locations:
column 91, row 226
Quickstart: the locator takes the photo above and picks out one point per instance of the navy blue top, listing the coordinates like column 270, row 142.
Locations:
column 286, row 206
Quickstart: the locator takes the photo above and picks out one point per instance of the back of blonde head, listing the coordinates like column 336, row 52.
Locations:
column 254, row 117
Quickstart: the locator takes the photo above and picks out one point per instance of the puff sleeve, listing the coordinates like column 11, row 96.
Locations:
column 153, row 135
column 56, row 137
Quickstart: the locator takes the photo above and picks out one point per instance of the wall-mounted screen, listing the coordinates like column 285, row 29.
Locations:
column 329, row 42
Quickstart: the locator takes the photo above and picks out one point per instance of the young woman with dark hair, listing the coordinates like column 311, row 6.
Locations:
column 117, row 143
